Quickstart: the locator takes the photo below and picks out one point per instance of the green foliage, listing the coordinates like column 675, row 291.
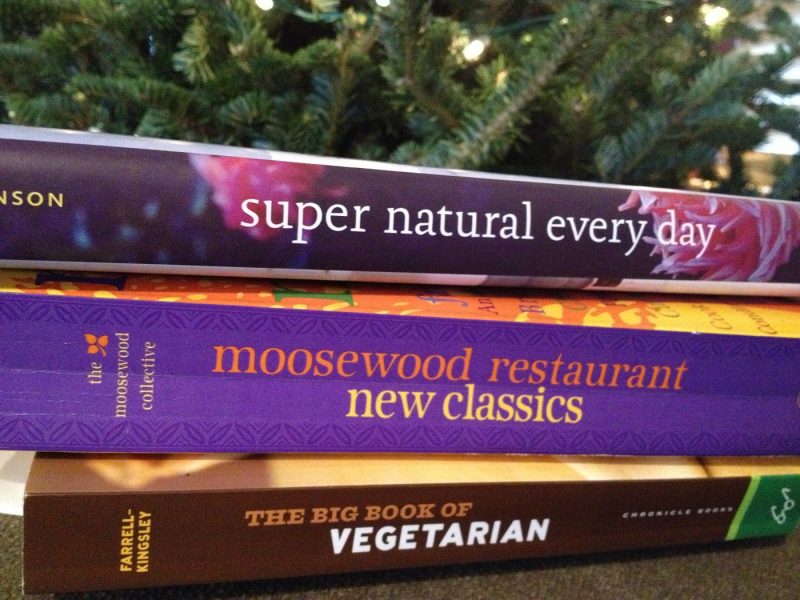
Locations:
column 631, row 91
column 787, row 181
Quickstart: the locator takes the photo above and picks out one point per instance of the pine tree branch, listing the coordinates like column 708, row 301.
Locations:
column 529, row 89
column 352, row 42
column 410, row 41
column 428, row 102
column 619, row 157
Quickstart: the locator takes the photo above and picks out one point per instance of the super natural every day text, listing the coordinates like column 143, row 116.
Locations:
column 305, row 217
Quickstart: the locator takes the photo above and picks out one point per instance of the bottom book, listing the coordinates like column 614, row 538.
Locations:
column 119, row 521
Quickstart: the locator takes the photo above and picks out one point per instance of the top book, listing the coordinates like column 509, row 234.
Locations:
column 94, row 201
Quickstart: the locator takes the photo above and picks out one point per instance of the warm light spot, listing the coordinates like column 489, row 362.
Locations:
column 474, row 49
column 714, row 15
column 501, row 79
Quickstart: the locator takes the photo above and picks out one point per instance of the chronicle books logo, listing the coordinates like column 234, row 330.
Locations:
column 780, row 514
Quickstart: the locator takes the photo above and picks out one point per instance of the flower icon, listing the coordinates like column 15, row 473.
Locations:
column 97, row 345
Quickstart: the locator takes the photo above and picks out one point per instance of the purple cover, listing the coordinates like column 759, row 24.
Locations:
column 116, row 375
column 105, row 202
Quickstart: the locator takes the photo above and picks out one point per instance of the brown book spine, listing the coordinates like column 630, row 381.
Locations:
column 140, row 539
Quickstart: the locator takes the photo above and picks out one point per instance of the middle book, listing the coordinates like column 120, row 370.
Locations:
column 188, row 364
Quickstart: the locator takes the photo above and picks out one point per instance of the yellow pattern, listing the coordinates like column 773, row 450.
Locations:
column 773, row 317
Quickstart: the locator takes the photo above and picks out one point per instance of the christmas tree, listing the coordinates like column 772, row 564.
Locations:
column 646, row 92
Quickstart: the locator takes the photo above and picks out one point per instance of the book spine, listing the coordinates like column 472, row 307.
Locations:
column 144, row 540
column 104, row 202
column 99, row 374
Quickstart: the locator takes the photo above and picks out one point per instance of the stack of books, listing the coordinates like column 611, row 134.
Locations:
column 238, row 364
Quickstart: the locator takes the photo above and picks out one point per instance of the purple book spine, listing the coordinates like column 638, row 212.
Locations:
column 106, row 202
column 116, row 375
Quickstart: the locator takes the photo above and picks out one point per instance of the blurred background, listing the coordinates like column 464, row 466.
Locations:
column 678, row 93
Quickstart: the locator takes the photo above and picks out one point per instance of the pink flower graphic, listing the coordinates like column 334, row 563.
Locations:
column 718, row 238
column 235, row 179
